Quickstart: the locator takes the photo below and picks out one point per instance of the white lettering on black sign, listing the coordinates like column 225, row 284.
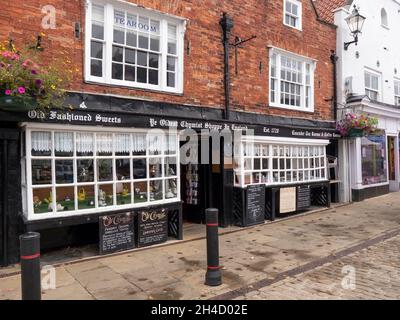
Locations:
column 116, row 233
column 152, row 227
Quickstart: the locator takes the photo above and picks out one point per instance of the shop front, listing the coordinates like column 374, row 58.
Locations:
column 373, row 159
column 279, row 176
column 122, row 180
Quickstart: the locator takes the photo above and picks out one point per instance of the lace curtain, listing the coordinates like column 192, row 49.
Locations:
column 64, row 142
column 41, row 141
column 104, row 142
column 84, row 143
column 155, row 143
column 139, row 143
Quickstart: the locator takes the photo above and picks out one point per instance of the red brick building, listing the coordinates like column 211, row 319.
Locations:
column 142, row 64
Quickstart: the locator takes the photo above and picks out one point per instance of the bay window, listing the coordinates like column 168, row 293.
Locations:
column 291, row 81
column 280, row 163
column 82, row 172
column 134, row 47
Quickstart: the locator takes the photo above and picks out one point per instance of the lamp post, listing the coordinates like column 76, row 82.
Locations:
column 355, row 21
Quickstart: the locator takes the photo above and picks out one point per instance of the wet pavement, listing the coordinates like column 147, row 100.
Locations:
column 249, row 256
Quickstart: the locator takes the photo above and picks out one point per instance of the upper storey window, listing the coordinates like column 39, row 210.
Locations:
column 134, row 47
column 292, row 14
column 397, row 92
column 384, row 18
column 372, row 86
column 291, row 81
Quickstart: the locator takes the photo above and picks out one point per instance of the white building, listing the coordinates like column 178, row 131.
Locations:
column 368, row 81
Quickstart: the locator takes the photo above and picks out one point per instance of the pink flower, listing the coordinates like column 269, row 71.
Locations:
column 27, row 63
column 8, row 92
column 6, row 54
column 21, row 90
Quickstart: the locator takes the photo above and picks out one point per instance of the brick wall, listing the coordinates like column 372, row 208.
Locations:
column 21, row 19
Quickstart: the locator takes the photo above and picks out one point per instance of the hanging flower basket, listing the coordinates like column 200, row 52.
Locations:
column 17, row 104
column 355, row 125
column 355, row 133
column 26, row 83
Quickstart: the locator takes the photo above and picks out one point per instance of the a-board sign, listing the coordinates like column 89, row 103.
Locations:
column 287, row 203
column 116, row 233
column 303, row 197
column 255, row 205
column 152, row 227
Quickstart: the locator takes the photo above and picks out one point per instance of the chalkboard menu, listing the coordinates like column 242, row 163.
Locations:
column 116, row 233
column 152, row 227
column 255, row 205
column 303, row 197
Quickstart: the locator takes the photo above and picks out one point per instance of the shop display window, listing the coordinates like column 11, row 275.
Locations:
column 274, row 164
column 374, row 159
column 71, row 172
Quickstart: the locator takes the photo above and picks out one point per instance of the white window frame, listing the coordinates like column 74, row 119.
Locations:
column 396, row 95
column 299, row 17
column 378, row 75
column 109, row 6
column 276, row 102
column 384, row 24
column 274, row 142
column 27, row 185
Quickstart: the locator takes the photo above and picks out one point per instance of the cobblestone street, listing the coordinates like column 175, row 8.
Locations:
column 321, row 255
column 371, row 273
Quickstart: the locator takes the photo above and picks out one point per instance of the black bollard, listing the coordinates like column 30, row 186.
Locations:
column 30, row 266
column 213, row 275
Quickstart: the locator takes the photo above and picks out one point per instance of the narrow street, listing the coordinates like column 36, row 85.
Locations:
column 372, row 273
column 305, row 257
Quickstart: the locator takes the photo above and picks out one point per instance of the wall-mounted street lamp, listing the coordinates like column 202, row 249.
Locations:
column 355, row 21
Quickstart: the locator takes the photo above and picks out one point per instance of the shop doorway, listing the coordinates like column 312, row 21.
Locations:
column 392, row 158
column 202, row 187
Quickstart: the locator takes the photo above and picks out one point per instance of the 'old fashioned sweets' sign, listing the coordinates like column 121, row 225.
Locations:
column 152, row 227
column 116, row 233
column 255, row 205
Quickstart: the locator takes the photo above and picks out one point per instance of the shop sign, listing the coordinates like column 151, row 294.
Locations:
column 255, row 207
column 116, row 233
column 287, row 203
column 152, row 227
column 130, row 120
column 303, row 197
column 74, row 117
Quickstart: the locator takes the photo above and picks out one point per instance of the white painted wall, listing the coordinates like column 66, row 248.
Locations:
column 376, row 43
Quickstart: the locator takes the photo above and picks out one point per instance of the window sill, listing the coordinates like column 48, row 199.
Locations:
column 295, row 28
column 30, row 217
column 280, row 106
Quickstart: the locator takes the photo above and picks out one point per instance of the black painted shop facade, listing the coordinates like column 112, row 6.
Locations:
column 299, row 176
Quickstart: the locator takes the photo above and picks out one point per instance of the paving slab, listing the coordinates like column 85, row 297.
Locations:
column 249, row 255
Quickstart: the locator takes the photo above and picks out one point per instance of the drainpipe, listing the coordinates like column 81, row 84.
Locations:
column 4, row 203
column 334, row 59
column 227, row 25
